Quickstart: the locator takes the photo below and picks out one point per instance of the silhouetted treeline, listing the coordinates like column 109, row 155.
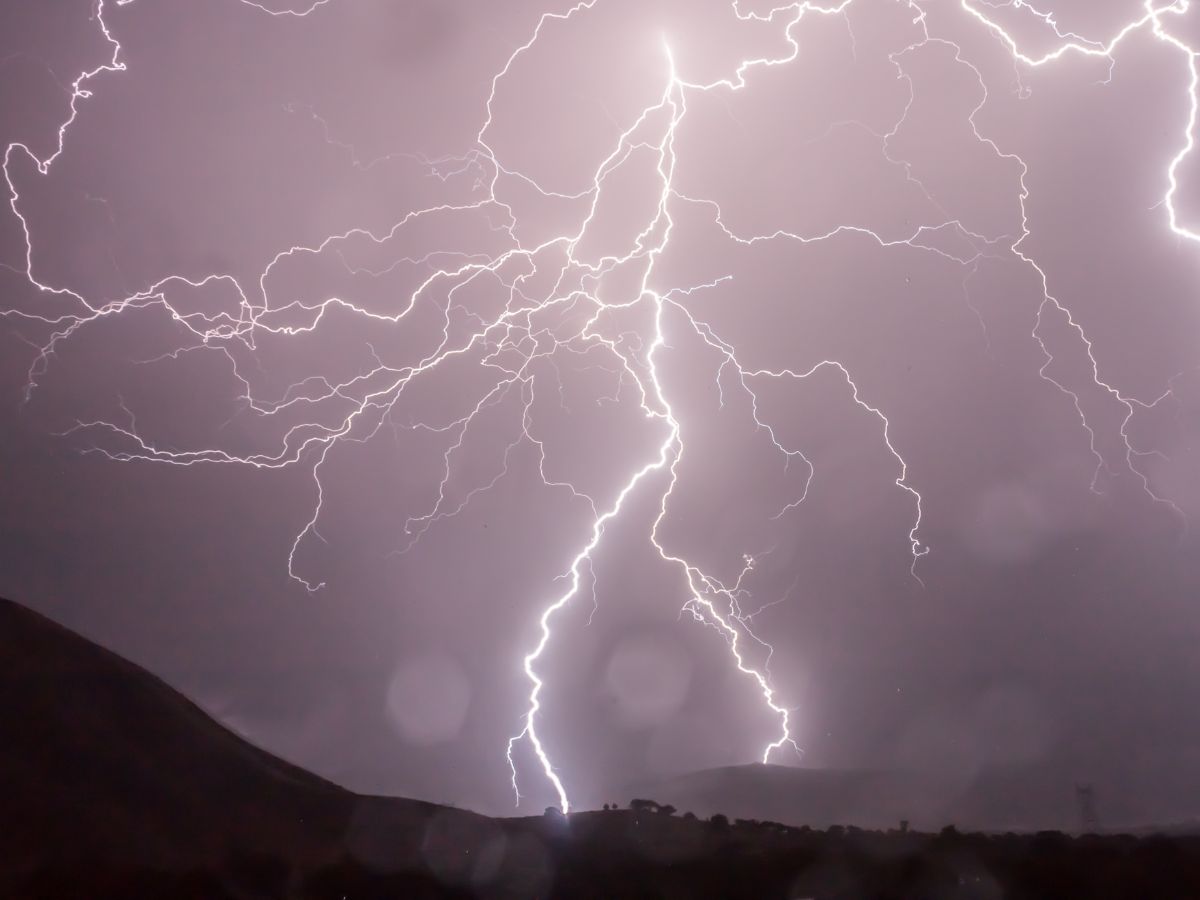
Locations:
column 646, row 852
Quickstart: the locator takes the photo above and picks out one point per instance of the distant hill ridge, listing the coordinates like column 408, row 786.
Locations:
column 998, row 798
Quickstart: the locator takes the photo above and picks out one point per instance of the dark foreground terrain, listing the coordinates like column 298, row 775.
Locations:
column 112, row 785
column 618, row 854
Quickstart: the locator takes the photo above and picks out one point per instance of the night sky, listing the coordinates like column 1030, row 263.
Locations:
column 338, row 330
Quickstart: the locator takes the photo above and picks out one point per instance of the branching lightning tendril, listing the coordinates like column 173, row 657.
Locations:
column 529, row 331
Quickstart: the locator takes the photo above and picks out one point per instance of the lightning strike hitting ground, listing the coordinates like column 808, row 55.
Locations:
column 533, row 331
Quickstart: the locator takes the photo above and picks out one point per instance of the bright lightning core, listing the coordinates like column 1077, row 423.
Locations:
column 583, row 292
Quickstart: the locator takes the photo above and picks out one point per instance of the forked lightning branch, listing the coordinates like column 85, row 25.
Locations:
column 528, row 330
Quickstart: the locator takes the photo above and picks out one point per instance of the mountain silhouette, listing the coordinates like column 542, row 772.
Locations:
column 101, row 760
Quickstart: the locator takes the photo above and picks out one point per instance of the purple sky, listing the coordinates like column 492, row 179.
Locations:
column 299, row 308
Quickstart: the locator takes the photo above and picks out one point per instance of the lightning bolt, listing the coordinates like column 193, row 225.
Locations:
column 525, row 338
column 1072, row 43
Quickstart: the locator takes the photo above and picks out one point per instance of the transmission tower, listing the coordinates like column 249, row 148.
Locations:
column 1085, row 797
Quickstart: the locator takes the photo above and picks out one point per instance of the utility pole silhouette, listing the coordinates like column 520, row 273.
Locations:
column 1085, row 797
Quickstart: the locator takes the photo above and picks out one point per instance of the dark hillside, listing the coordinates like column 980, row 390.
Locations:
column 101, row 759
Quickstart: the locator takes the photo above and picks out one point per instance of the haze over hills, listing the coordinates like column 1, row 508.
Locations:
column 91, row 731
column 113, row 785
